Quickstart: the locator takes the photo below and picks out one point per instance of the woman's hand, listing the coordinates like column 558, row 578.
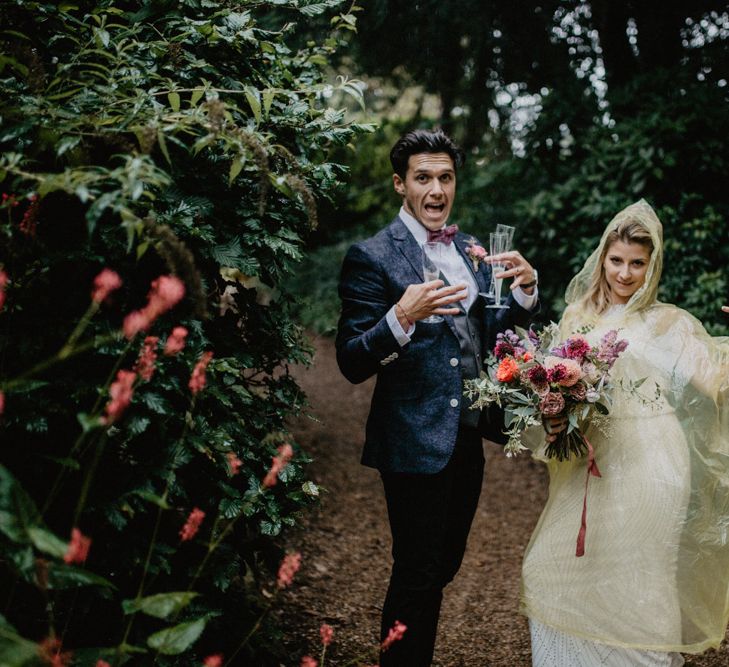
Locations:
column 554, row 426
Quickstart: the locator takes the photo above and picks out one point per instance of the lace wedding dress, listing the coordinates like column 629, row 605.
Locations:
column 654, row 580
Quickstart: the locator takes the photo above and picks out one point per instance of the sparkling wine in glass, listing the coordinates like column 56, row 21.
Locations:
column 498, row 243
column 432, row 253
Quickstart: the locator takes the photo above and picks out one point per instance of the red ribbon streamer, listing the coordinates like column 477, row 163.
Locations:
column 593, row 470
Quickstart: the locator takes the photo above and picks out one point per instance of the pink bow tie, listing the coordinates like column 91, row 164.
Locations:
column 444, row 235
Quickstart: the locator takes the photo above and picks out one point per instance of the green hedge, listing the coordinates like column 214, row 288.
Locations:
column 153, row 138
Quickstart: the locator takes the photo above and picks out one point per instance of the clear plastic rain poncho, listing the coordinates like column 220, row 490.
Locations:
column 655, row 574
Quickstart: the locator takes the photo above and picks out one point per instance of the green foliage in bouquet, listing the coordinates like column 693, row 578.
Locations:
column 184, row 146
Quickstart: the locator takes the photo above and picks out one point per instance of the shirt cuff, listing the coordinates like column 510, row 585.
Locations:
column 401, row 336
column 526, row 301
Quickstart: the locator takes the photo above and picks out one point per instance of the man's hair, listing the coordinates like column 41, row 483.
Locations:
column 423, row 141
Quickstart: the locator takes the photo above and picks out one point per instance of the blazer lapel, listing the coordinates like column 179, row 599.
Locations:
column 408, row 246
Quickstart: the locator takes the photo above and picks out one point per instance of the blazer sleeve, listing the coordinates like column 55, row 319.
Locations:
column 364, row 338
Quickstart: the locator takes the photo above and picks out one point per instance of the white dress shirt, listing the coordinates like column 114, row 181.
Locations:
column 453, row 266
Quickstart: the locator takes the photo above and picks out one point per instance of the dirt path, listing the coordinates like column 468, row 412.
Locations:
column 346, row 545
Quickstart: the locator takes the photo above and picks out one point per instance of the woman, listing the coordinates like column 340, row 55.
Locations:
column 654, row 579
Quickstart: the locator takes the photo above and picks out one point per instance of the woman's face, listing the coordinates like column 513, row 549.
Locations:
column 625, row 267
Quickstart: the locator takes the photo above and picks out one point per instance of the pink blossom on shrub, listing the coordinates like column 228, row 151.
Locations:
column 175, row 341
column 147, row 357
column 308, row 661
column 104, row 284
column 78, row 547
column 197, row 379
column 215, row 660
column 2, row 402
column 327, row 634
column 234, row 463
column 3, row 285
column 192, row 525
column 278, row 463
column 288, row 568
column 102, row 663
column 165, row 293
column 120, row 391
column 395, row 634
column 49, row 651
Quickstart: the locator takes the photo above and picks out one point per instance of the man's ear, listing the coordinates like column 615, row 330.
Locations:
column 398, row 184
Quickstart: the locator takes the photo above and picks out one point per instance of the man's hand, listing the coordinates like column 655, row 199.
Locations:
column 554, row 426
column 725, row 309
column 517, row 268
column 424, row 299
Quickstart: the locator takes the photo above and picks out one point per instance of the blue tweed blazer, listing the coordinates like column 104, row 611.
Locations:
column 413, row 420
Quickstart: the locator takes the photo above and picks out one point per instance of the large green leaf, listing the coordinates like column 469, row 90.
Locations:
column 159, row 606
column 175, row 640
column 18, row 512
column 61, row 576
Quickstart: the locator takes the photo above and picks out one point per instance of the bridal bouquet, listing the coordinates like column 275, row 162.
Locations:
column 531, row 377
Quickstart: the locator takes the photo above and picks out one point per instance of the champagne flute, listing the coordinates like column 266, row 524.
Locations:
column 498, row 243
column 431, row 258
column 508, row 230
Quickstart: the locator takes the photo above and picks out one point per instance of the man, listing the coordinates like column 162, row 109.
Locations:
column 421, row 434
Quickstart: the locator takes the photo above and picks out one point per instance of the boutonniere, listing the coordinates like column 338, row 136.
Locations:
column 475, row 252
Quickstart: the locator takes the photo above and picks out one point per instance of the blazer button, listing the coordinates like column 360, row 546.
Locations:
column 454, row 402
column 454, row 362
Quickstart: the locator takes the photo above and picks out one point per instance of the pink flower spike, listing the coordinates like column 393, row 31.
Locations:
column 288, row 568
column 78, row 547
column 102, row 663
column 3, row 285
column 215, row 660
column 234, row 463
column 49, row 651
column 192, row 525
column 120, row 391
column 197, row 379
column 175, row 341
column 394, row 635
column 308, row 661
column 147, row 357
column 104, row 284
column 327, row 634
column 278, row 463
column 135, row 322
column 2, row 402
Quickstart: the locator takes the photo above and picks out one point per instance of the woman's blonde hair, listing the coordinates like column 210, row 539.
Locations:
column 628, row 230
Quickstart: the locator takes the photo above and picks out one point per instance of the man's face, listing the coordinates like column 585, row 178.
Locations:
column 429, row 188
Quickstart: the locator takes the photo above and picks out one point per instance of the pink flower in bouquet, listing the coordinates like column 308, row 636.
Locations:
column 611, row 348
column 78, row 547
column 289, row 567
column 508, row 370
column 327, row 634
column 192, row 525
column 578, row 392
column 590, row 372
column 537, row 375
column 104, row 284
column 564, row 372
column 552, row 404
column 577, row 347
